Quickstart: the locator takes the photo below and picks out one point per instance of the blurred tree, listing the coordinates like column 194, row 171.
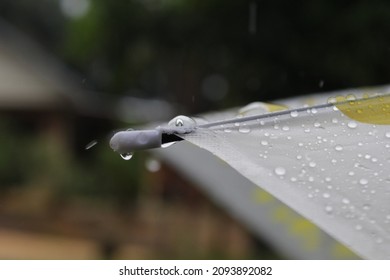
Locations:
column 184, row 50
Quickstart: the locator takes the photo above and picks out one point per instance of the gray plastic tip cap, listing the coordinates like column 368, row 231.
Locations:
column 130, row 141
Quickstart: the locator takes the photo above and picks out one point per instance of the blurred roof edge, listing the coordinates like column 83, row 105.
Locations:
column 33, row 79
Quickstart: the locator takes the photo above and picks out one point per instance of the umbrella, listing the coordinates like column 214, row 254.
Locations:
column 328, row 160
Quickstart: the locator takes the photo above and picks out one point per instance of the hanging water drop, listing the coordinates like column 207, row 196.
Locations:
column 126, row 156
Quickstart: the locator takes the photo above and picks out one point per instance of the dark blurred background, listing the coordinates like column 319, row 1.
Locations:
column 71, row 71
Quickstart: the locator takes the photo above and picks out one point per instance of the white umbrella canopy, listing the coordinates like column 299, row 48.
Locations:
column 330, row 162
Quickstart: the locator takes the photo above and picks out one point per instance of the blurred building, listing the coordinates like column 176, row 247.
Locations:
column 46, row 115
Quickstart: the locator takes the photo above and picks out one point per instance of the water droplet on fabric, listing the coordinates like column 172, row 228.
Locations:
column 363, row 181
column 338, row 148
column 280, row 171
column 326, row 195
column 328, row 209
column 366, row 207
column 352, row 124
column 182, row 121
column 264, row 142
column 345, row 201
column 317, row 124
column 358, row 227
column 126, row 156
column 244, row 129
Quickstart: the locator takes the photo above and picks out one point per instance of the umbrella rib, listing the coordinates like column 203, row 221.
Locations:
column 263, row 116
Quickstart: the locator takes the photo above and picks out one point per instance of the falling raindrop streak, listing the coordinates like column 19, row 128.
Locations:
column 91, row 144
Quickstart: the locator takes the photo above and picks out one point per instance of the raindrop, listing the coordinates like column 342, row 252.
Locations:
column 91, row 144
column 182, row 121
column 227, row 130
column 285, row 128
column 363, row 181
column 345, row 201
column 352, row 124
column 334, row 120
column 366, row 207
column 264, row 142
column 127, row 156
column 332, row 100
column 358, row 227
column 328, row 179
column 293, row 179
column 312, row 164
column 280, row 171
column 387, row 134
column 314, row 111
column 338, row 148
column 328, row 209
column 294, row 114
column 351, row 173
column 244, row 129
column 317, row 124
column 326, row 195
